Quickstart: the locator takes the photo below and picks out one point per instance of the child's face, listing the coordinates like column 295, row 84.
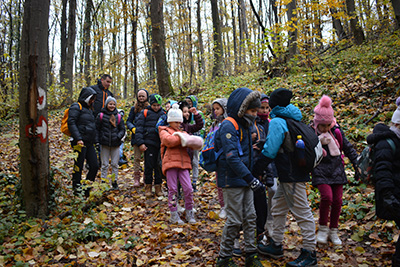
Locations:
column 252, row 111
column 324, row 128
column 167, row 106
column 156, row 107
column 111, row 106
column 185, row 113
column 218, row 110
column 175, row 125
column 142, row 96
column 189, row 102
column 264, row 109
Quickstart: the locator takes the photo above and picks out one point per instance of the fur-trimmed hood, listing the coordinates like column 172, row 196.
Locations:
column 239, row 101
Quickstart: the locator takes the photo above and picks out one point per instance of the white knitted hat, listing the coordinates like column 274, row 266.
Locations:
column 396, row 114
column 175, row 114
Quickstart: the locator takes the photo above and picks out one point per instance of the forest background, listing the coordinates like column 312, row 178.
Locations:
column 49, row 50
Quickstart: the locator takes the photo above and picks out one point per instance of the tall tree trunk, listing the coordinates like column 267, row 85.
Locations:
column 69, row 62
column 396, row 8
column 200, row 42
column 125, row 12
column 235, row 50
column 158, row 41
column 218, row 64
column 33, row 138
column 292, row 19
column 355, row 29
column 190, row 48
column 135, row 10
column 87, row 40
column 63, row 43
column 337, row 24
column 148, row 44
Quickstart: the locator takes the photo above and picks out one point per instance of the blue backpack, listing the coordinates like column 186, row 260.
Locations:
column 208, row 156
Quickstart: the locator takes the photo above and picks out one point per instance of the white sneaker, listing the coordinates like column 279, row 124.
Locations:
column 322, row 235
column 175, row 218
column 334, row 237
column 194, row 210
column 222, row 213
column 190, row 216
column 180, row 209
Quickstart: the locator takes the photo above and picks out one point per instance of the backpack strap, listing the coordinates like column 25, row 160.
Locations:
column 119, row 118
column 339, row 137
column 145, row 112
column 392, row 145
column 80, row 106
column 101, row 116
column 240, row 134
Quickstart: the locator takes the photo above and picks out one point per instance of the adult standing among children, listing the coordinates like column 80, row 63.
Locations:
column 81, row 123
column 291, row 193
column 102, row 92
column 142, row 103
column 387, row 172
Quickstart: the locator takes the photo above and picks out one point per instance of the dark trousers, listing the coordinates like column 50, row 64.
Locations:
column 151, row 165
column 261, row 207
column 87, row 152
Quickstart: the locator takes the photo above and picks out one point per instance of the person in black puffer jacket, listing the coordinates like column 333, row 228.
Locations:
column 110, row 129
column 386, row 170
column 81, row 123
column 149, row 142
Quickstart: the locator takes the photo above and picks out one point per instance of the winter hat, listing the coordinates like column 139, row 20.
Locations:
column 175, row 114
column 280, row 97
column 110, row 98
column 396, row 114
column 324, row 111
column 147, row 94
column 155, row 98
column 264, row 98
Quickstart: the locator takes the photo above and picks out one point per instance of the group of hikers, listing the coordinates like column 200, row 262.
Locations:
column 258, row 179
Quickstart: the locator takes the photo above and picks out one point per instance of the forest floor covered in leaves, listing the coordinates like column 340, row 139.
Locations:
column 123, row 228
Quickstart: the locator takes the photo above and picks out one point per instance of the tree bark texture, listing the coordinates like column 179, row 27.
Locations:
column 355, row 28
column 291, row 13
column 135, row 10
column 396, row 8
column 337, row 24
column 158, row 41
column 87, row 40
column 218, row 64
column 34, row 146
column 200, row 41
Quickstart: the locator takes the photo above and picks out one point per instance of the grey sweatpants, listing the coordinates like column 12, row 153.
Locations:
column 240, row 211
column 293, row 197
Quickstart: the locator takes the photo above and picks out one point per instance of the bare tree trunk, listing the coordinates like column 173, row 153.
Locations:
column 148, row 42
column 292, row 19
column 235, row 50
column 135, row 10
column 69, row 63
column 337, row 24
column 355, row 29
column 396, row 8
column 63, row 43
column 158, row 41
column 33, row 138
column 200, row 42
column 190, row 43
column 218, row 64
column 87, row 40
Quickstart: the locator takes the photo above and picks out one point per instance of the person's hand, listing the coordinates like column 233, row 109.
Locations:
column 256, row 185
column 143, row 147
column 193, row 110
column 255, row 147
column 80, row 142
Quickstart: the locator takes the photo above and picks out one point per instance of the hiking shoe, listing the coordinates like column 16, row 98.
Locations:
column 175, row 218
column 115, row 185
column 306, row 258
column 252, row 260
column 272, row 250
column 333, row 236
column 190, row 216
column 227, row 262
column 194, row 186
column 237, row 252
column 180, row 209
column 322, row 235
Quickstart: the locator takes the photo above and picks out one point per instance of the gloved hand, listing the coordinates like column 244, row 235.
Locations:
column 97, row 146
column 261, row 165
column 133, row 130
column 254, row 183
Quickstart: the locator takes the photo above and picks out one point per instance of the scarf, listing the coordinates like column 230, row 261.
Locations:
column 263, row 116
column 140, row 106
column 249, row 119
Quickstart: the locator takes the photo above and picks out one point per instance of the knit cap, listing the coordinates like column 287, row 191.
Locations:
column 155, row 98
column 280, row 97
column 175, row 114
column 323, row 111
column 396, row 114
column 110, row 98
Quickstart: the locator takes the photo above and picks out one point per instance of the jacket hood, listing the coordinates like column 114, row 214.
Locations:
column 222, row 102
column 290, row 111
column 194, row 100
column 86, row 94
column 239, row 100
column 381, row 131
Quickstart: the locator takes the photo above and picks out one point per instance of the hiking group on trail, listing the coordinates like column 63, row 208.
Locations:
column 262, row 154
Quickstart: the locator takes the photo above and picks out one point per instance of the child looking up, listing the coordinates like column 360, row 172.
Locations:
column 329, row 176
column 110, row 130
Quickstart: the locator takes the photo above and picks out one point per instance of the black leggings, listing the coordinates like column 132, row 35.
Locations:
column 87, row 152
column 151, row 157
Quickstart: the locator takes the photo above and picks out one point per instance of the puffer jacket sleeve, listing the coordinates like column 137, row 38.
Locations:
column 275, row 137
column 229, row 143
column 199, row 123
column 349, row 150
column 383, row 168
column 131, row 119
column 169, row 140
column 139, row 136
column 73, row 119
column 121, row 129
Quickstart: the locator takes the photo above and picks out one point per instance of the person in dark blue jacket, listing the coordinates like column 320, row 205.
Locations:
column 291, row 193
column 234, row 175
column 102, row 93
column 148, row 140
column 81, row 123
column 141, row 104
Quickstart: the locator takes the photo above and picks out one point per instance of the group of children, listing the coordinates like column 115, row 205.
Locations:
column 251, row 131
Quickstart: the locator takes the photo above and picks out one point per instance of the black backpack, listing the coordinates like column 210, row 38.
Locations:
column 313, row 147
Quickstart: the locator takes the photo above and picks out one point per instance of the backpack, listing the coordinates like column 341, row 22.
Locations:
column 64, row 121
column 313, row 148
column 365, row 162
column 119, row 117
column 208, row 156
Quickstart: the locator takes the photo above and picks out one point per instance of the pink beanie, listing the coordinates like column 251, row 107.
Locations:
column 323, row 111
